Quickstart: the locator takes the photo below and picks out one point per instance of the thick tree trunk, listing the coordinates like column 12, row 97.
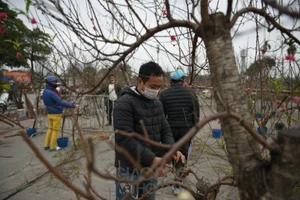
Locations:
column 228, row 90
column 230, row 96
column 256, row 178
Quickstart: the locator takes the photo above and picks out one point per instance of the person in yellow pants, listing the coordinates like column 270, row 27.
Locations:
column 53, row 128
column 54, row 105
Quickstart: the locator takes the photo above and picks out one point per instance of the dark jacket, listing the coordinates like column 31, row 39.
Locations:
column 181, row 106
column 54, row 102
column 129, row 110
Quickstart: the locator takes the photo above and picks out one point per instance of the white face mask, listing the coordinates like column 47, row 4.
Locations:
column 150, row 93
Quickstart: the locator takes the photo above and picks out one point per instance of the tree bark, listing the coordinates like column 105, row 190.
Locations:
column 284, row 171
column 229, row 94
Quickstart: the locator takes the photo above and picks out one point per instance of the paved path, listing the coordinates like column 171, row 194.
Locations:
column 19, row 166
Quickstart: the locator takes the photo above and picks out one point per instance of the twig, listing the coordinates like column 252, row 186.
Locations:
column 17, row 123
column 51, row 168
column 6, row 156
column 8, row 136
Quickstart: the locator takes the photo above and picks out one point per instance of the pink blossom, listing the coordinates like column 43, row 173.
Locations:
column 218, row 121
column 2, row 30
column 185, row 84
column 164, row 13
column 94, row 28
column 74, row 44
column 248, row 89
column 295, row 99
column 33, row 21
column 263, row 51
column 18, row 55
column 290, row 57
column 3, row 16
column 283, row 109
column 277, row 102
column 92, row 19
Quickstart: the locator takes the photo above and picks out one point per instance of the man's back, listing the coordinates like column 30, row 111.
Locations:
column 181, row 106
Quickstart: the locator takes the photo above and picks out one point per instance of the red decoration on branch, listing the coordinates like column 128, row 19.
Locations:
column 33, row 21
column 3, row 16
column 290, row 57
column 164, row 13
column 18, row 55
column 173, row 38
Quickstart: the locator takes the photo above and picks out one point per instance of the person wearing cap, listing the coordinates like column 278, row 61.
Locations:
column 54, row 105
column 181, row 110
column 136, row 104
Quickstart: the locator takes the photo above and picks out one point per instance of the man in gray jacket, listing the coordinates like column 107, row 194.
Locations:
column 135, row 104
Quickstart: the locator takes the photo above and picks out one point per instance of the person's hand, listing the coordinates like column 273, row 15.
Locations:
column 159, row 170
column 77, row 106
column 179, row 156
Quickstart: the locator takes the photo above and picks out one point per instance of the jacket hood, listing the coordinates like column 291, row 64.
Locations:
column 132, row 90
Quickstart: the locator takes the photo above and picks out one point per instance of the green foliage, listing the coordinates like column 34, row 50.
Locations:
column 291, row 50
column 27, row 5
column 33, row 45
column 265, row 63
column 277, row 83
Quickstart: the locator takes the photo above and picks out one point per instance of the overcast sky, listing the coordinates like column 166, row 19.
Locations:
column 246, row 38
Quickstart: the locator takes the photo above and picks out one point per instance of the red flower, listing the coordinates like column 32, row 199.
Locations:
column 219, row 122
column 185, row 84
column 164, row 13
column 3, row 16
column 173, row 38
column 263, row 51
column 18, row 55
column 248, row 89
column 295, row 99
column 290, row 57
column 92, row 19
column 2, row 30
column 74, row 44
column 33, row 21
column 94, row 28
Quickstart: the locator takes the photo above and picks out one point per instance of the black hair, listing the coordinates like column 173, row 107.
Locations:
column 150, row 69
column 111, row 75
column 177, row 81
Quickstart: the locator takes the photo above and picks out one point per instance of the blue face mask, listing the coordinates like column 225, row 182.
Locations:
column 150, row 93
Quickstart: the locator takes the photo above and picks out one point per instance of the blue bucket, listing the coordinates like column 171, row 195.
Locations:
column 259, row 131
column 62, row 142
column 216, row 133
column 259, row 115
column 31, row 132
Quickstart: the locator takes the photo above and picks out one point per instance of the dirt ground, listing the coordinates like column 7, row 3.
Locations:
column 23, row 176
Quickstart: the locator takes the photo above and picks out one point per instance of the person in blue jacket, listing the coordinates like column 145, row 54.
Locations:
column 54, row 105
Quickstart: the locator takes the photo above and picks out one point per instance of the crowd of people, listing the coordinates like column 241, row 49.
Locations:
column 163, row 117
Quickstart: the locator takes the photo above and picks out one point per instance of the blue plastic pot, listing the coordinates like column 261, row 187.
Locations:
column 259, row 115
column 31, row 132
column 216, row 133
column 62, row 142
column 259, row 131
